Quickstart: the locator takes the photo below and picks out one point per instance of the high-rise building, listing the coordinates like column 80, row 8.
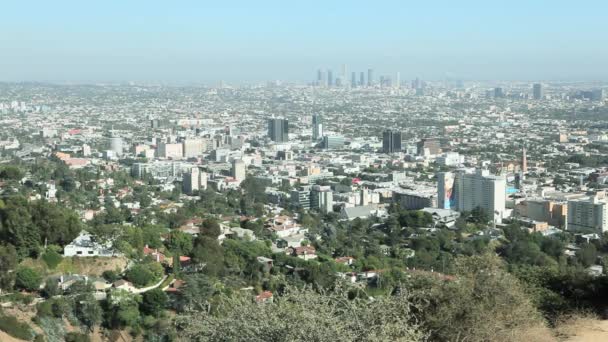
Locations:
column 498, row 93
column 353, row 80
column 467, row 191
column 193, row 147
column 391, row 141
column 317, row 127
column 398, row 80
column 278, row 130
column 301, row 197
column 362, row 79
column 86, row 150
column 428, row 147
column 370, row 77
column 597, row 94
column 169, row 150
column 588, row 215
column 333, row 142
column 319, row 77
column 537, row 91
column 116, row 145
column 330, row 78
column 238, row 170
column 524, row 160
column 445, row 190
column 321, row 198
column 194, row 180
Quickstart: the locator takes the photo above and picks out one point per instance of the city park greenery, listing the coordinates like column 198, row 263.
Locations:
column 433, row 283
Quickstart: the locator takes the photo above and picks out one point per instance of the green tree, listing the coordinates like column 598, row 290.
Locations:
column 179, row 242
column 211, row 228
column 11, row 172
column 123, row 308
column 587, row 255
column 144, row 274
column 88, row 311
column 208, row 251
column 154, row 302
column 27, row 279
column 51, row 258
column 8, row 262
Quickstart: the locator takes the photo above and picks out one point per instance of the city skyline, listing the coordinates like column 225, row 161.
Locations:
column 206, row 43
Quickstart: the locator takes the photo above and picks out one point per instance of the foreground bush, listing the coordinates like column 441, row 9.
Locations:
column 303, row 315
column 13, row 327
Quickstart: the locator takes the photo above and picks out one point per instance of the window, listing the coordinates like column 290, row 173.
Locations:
column 79, row 252
column 91, row 252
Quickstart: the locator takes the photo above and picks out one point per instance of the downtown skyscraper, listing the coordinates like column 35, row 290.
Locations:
column 317, row 127
column 278, row 130
column 538, row 91
column 391, row 141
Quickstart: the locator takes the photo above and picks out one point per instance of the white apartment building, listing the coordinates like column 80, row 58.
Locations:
column 465, row 191
column 588, row 214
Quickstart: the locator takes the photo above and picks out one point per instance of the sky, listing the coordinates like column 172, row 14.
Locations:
column 255, row 41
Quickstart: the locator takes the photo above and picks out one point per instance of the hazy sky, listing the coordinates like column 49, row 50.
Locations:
column 208, row 41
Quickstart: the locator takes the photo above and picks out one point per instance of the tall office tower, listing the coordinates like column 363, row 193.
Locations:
column 319, row 77
column 344, row 75
column 191, row 181
column 537, row 91
column 362, row 79
column 416, row 84
column 278, row 130
column 330, row 78
column 338, row 82
column 370, row 77
column 382, row 79
column 597, row 95
column 524, row 161
column 468, row 191
column 428, row 147
column 317, row 127
column 238, row 170
column 353, row 80
column 398, row 80
column 498, row 93
column 391, row 141
column 116, row 145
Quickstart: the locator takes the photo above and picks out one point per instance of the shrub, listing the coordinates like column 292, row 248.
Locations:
column 13, row 327
column 74, row 336
column 52, row 259
column 144, row 274
column 110, row 276
column 27, row 279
